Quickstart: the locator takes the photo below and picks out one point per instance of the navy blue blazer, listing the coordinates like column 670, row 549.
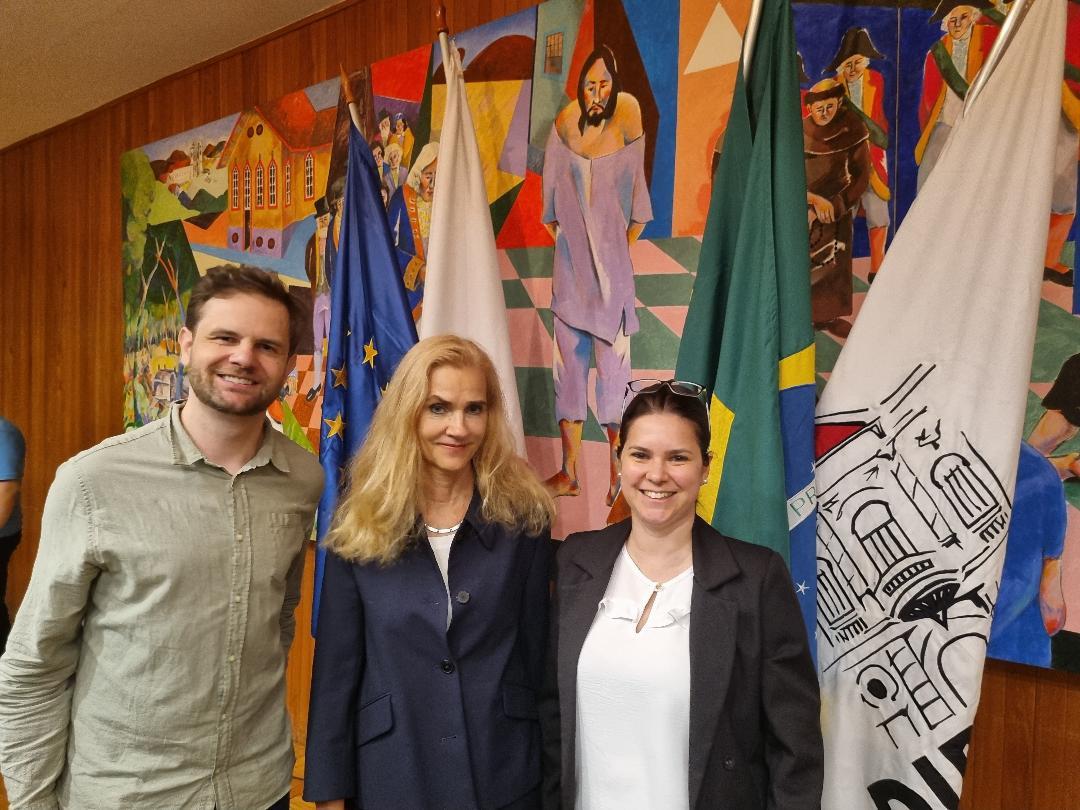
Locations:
column 755, row 740
column 407, row 715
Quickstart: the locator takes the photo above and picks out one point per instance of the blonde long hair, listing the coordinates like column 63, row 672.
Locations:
column 376, row 519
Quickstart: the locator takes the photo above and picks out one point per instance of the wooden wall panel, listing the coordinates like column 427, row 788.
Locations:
column 61, row 375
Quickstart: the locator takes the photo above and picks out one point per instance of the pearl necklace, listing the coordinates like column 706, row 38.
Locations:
column 438, row 532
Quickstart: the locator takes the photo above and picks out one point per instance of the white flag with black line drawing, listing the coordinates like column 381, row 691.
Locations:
column 918, row 432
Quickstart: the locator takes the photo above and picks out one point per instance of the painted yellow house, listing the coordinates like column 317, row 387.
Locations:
column 276, row 156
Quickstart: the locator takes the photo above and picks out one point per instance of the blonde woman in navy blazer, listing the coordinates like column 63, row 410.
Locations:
column 718, row 708
column 433, row 615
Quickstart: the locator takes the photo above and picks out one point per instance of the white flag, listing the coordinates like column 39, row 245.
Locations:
column 918, row 432
column 463, row 293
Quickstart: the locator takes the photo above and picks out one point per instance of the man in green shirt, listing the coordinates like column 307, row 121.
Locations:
column 146, row 666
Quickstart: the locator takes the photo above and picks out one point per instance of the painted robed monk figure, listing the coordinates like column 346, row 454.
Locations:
column 837, row 153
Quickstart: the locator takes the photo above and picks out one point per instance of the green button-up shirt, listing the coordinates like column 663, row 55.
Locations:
column 146, row 666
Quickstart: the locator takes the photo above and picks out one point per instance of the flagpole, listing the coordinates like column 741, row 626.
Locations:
column 752, row 26
column 1012, row 22
column 443, row 30
column 350, row 99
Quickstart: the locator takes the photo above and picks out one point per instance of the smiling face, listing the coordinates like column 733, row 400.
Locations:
column 453, row 420
column 662, row 469
column 237, row 359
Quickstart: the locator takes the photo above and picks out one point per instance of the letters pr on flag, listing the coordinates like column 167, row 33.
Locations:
column 463, row 292
column 371, row 327
column 748, row 337
column 917, row 437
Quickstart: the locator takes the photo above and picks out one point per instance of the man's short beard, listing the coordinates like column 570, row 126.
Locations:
column 202, row 387
column 596, row 119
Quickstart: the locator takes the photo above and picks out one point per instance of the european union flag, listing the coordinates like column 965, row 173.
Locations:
column 371, row 327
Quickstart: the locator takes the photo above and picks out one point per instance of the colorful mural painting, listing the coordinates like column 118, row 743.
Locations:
column 902, row 71
column 248, row 188
column 599, row 123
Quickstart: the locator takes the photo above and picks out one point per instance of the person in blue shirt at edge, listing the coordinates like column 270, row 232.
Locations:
column 12, row 459
column 433, row 615
column 679, row 674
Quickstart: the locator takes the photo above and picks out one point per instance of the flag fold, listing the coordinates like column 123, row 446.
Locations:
column 748, row 337
column 371, row 328
column 463, row 291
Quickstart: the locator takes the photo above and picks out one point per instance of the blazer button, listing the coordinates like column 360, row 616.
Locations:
column 447, row 666
column 729, row 764
column 462, row 597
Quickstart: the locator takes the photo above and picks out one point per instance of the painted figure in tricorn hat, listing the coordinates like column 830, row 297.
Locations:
column 865, row 91
column 837, row 154
column 951, row 65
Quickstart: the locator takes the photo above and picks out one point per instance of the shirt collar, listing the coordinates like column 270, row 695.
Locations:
column 185, row 452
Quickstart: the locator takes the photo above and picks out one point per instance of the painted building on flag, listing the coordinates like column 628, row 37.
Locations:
column 896, row 547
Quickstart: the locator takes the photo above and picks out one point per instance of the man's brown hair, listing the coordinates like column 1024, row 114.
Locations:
column 228, row 280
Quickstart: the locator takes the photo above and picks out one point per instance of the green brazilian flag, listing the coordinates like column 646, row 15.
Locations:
column 748, row 336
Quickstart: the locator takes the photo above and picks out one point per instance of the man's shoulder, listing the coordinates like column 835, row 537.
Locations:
column 117, row 458
column 141, row 440
column 628, row 112
column 567, row 117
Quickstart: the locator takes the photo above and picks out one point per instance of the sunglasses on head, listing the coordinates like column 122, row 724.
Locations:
column 681, row 387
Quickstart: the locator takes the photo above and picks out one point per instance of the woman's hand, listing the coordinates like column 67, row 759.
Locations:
column 336, row 804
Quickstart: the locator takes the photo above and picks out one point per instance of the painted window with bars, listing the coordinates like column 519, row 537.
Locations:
column 553, row 53
column 260, row 186
column 247, row 188
column 271, row 179
column 309, row 176
column 235, row 188
column 288, row 184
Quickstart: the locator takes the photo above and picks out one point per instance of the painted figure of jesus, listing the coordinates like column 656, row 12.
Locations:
column 596, row 203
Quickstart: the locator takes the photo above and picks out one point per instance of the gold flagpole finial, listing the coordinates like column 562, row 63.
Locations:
column 346, row 86
column 441, row 26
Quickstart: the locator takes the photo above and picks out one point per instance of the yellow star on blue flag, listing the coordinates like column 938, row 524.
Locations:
column 367, row 298
column 370, row 352
column 336, row 426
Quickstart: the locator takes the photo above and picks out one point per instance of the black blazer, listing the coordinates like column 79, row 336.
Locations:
column 407, row 715
column 755, row 738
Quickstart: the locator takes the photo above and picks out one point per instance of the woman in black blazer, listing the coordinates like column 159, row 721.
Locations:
column 433, row 615
column 678, row 671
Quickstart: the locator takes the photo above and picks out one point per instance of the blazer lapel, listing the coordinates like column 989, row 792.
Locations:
column 713, row 620
column 581, row 586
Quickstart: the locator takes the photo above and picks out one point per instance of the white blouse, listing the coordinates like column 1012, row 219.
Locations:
column 633, row 696
column 440, row 546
